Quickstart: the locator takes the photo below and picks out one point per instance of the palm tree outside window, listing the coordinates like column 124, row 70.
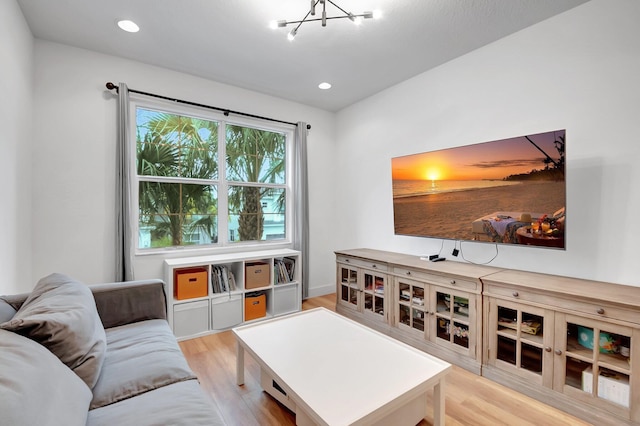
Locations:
column 188, row 196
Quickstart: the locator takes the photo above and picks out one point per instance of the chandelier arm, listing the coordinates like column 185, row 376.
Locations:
column 343, row 11
column 324, row 17
column 303, row 20
column 320, row 19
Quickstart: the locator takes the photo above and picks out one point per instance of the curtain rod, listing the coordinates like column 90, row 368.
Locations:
column 225, row 111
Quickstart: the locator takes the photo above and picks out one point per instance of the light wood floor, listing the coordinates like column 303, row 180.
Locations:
column 470, row 399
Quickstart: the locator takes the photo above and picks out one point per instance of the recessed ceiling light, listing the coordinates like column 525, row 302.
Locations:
column 324, row 86
column 128, row 26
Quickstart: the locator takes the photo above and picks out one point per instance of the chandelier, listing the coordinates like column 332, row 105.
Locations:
column 355, row 18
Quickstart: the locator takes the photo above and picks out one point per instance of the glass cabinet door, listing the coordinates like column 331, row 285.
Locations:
column 594, row 360
column 523, row 340
column 411, row 306
column 349, row 286
column 452, row 323
column 374, row 291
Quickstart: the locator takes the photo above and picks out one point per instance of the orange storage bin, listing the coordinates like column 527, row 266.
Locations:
column 189, row 283
column 255, row 306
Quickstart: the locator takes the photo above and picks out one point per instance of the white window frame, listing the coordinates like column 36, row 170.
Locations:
column 222, row 186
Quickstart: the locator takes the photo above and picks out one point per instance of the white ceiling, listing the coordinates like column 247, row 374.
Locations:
column 229, row 41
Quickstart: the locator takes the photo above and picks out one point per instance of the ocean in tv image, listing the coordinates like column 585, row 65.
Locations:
column 485, row 192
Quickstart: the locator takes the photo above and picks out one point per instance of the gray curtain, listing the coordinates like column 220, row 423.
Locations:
column 124, row 228
column 301, row 196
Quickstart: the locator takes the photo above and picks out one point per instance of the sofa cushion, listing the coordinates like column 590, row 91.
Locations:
column 36, row 388
column 181, row 403
column 60, row 314
column 140, row 357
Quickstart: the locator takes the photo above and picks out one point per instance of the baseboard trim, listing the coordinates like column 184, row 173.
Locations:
column 321, row 291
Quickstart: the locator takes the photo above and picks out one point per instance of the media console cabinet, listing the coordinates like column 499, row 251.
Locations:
column 571, row 343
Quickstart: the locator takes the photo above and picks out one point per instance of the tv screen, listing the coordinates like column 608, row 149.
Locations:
column 509, row 191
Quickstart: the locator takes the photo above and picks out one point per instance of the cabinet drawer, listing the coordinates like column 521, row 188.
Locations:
column 362, row 263
column 600, row 310
column 451, row 282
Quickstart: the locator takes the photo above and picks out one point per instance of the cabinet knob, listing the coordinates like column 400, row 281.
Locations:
column 558, row 352
column 452, row 282
column 600, row 311
column 515, row 294
column 547, row 348
column 346, row 260
column 374, row 266
column 408, row 272
column 431, row 313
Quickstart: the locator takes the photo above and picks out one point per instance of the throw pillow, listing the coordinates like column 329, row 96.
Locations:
column 60, row 313
column 36, row 388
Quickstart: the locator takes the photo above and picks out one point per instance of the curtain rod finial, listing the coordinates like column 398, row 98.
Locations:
column 111, row 86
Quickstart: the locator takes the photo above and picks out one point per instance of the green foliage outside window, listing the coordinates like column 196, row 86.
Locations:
column 178, row 173
column 254, row 156
column 173, row 146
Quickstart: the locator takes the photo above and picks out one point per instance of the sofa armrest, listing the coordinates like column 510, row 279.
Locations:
column 130, row 301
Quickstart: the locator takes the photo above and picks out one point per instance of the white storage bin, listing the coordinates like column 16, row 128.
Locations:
column 286, row 299
column 226, row 311
column 190, row 318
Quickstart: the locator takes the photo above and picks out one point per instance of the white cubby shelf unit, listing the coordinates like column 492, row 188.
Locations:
column 223, row 307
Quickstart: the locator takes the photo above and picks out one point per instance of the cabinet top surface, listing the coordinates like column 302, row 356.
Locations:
column 230, row 257
column 567, row 286
column 411, row 261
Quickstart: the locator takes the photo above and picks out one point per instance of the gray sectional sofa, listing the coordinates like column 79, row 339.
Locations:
column 72, row 354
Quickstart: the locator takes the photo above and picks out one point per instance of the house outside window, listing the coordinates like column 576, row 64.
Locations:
column 204, row 180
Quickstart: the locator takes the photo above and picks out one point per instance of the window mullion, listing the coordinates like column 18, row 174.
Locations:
column 223, row 187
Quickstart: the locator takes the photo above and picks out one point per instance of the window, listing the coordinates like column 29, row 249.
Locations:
column 204, row 180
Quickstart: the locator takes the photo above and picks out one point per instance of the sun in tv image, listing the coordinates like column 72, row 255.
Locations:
column 508, row 191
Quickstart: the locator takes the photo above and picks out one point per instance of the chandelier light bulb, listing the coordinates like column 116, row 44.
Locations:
column 292, row 34
column 324, row 85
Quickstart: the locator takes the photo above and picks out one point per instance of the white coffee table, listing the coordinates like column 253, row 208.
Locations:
column 334, row 371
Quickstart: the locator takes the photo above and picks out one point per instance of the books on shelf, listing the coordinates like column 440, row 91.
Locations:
column 222, row 279
column 284, row 270
column 528, row 326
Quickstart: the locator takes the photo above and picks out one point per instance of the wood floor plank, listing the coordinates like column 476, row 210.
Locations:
column 470, row 399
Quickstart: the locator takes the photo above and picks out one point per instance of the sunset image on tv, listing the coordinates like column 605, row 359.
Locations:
column 507, row 191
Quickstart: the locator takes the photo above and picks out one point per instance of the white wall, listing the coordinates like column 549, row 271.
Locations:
column 578, row 71
column 74, row 158
column 16, row 86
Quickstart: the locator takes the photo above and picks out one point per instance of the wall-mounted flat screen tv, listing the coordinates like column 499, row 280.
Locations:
column 509, row 191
